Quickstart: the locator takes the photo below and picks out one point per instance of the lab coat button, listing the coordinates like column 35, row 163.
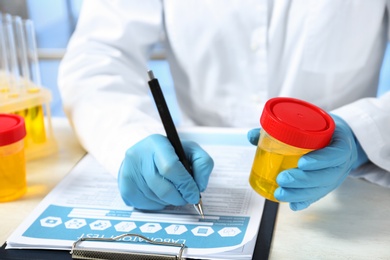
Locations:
column 258, row 38
column 255, row 98
column 254, row 46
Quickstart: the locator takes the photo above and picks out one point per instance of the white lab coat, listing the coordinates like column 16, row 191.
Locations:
column 227, row 58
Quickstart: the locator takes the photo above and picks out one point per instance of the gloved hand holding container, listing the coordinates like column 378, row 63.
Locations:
column 290, row 129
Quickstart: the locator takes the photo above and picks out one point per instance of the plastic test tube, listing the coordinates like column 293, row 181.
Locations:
column 30, row 78
column 10, row 50
column 4, row 69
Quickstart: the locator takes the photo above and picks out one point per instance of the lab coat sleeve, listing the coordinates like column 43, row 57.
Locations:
column 369, row 119
column 103, row 77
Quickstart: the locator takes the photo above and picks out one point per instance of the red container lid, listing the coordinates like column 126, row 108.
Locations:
column 297, row 123
column 12, row 129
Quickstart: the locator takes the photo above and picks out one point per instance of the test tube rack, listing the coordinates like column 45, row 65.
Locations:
column 34, row 106
column 21, row 92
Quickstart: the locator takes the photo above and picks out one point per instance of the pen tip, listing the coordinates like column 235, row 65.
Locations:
column 199, row 208
column 150, row 74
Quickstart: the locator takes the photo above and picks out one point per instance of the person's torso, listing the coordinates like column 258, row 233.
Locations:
column 232, row 56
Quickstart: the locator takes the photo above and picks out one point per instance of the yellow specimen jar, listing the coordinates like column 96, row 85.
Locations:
column 290, row 128
column 13, row 183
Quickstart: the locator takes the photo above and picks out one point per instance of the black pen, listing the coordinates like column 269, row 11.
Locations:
column 170, row 129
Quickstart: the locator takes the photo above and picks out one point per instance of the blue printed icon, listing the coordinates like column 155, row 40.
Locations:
column 202, row 231
column 125, row 226
column 229, row 232
column 50, row 222
column 176, row 229
column 150, row 228
column 75, row 223
column 100, row 225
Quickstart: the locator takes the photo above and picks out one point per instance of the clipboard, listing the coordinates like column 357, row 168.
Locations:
column 261, row 251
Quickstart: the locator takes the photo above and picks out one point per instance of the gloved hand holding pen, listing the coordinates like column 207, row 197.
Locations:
column 321, row 171
column 152, row 177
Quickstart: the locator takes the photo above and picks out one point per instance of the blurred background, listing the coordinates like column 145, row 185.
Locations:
column 55, row 22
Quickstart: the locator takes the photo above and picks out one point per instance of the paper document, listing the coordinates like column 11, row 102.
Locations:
column 87, row 203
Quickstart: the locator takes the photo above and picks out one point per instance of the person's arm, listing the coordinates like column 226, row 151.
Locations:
column 103, row 77
column 103, row 83
column 369, row 119
column 361, row 134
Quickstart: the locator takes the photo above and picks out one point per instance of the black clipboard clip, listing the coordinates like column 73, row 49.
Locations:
column 93, row 253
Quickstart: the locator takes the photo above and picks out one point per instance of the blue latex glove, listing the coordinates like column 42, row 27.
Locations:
column 321, row 171
column 152, row 177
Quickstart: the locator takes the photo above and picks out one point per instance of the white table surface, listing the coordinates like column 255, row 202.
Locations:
column 42, row 175
column 353, row 222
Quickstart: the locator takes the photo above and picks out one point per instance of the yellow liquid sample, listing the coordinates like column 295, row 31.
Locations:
column 266, row 166
column 35, row 124
column 4, row 89
column 12, row 172
column 4, row 84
